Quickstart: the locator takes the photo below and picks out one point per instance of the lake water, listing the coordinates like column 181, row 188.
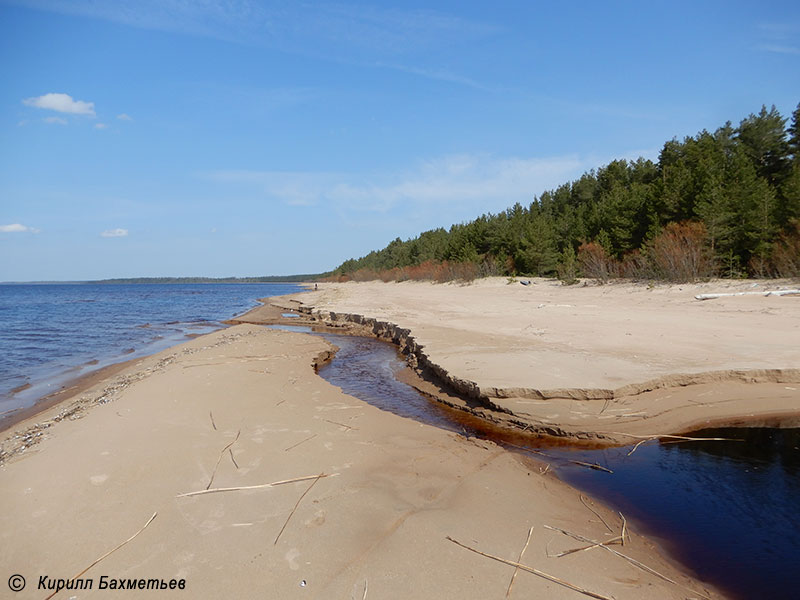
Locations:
column 54, row 332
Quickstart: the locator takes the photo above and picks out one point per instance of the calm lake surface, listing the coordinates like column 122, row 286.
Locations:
column 729, row 511
column 54, row 332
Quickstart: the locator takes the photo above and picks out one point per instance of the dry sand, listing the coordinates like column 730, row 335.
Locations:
column 84, row 476
column 607, row 363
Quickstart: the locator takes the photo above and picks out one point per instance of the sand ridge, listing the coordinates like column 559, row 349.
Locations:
column 606, row 363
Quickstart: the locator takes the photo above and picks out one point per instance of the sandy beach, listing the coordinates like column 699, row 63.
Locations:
column 607, row 364
column 376, row 500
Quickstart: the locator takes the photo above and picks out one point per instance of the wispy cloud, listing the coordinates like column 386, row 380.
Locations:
column 55, row 120
column 18, row 228
column 111, row 233
column 62, row 103
column 780, row 49
column 100, row 126
column 780, row 38
column 358, row 33
column 124, row 117
column 474, row 182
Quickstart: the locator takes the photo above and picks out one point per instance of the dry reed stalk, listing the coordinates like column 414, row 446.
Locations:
column 624, row 528
column 214, row 425
column 597, row 514
column 519, row 560
column 594, row 466
column 235, row 464
column 340, row 424
column 606, row 543
column 219, row 458
column 541, row 574
column 674, row 439
column 298, row 443
column 110, row 552
column 254, row 487
column 576, row 462
column 313, row 483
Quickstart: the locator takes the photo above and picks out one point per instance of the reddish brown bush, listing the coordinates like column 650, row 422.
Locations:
column 786, row 253
column 680, row 253
column 596, row 263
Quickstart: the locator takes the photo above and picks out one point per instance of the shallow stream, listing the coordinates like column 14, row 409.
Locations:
column 728, row 510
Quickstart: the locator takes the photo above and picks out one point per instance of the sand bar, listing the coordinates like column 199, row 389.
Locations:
column 244, row 407
column 601, row 363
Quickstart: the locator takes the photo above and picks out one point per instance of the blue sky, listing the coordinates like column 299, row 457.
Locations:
column 236, row 137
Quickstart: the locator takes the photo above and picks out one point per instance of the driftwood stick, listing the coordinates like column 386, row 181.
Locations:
column 597, row 514
column 219, row 458
column 254, row 487
column 519, row 560
column 534, row 571
column 313, row 483
column 110, row 552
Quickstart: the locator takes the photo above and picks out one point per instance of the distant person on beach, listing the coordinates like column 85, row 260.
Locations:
column 315, row 287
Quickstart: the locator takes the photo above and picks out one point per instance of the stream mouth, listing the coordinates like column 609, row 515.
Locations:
column 729, row 511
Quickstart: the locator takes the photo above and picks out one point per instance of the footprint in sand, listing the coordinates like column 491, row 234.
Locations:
column 291, row 558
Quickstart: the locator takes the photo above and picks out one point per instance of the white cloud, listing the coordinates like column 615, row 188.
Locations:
column 101, row 126
column 61, row 103
column 108, row 233
column 55, row 120
column 18, row 228
column 124, row 117
column 476, row 183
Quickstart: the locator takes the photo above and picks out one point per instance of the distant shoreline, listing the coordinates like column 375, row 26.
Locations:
column 175, row 280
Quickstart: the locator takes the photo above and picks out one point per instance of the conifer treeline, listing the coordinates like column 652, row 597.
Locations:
column 723, row 203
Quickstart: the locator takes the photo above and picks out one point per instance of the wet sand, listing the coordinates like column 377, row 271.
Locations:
column 607, row 364
column 243, row 407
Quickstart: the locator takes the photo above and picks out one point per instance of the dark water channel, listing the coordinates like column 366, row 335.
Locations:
column 728, row 510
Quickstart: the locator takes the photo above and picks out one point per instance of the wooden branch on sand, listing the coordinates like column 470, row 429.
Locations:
column 110, row 552
column 541, row 574
column 763, row 293
column 255, row 487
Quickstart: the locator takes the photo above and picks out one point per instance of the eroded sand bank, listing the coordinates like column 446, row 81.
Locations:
column 243, row 406
column 603, row 363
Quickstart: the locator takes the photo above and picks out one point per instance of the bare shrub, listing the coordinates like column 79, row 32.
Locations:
column 680, row 253
column 596, row 263
column 786, row 253
column 635, row 265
